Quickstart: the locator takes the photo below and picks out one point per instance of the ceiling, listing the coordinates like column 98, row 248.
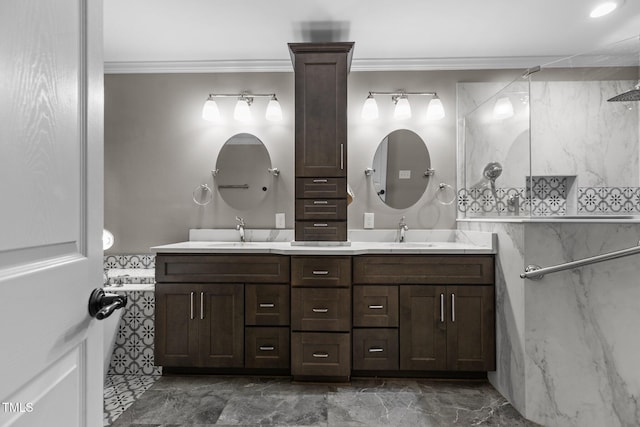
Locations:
column 252, row 35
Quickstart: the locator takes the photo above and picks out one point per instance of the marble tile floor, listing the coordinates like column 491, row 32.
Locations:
column 251, row 401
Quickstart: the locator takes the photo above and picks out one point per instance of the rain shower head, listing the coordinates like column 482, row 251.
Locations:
column 631, row 95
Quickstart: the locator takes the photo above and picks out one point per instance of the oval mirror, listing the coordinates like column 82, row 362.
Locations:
column 400, row 165
column 242, row 177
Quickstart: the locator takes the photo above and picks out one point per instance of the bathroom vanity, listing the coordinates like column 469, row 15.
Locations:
column 326, row 312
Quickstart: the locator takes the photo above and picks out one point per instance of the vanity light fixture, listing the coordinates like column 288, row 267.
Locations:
column 242, row 110
column 402, row 110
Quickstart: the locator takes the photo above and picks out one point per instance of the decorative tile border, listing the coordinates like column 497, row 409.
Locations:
column 482, row 201
column 609, row 200
column 129, row 261
column 549, row 195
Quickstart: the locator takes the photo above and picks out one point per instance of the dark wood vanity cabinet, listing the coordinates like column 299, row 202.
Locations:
column 223, row 312
column 424, row 313
column 321, row 317
column 321, row 71
column 200, row 325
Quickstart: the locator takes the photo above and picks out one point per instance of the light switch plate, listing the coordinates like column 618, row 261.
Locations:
column 280, row 220
column 368, row 220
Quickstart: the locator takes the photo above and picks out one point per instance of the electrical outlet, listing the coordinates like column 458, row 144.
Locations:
column 368, row 220
column 404, row 174
column 280, row 220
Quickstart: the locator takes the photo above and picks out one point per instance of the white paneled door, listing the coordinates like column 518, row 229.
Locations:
column 51, row 190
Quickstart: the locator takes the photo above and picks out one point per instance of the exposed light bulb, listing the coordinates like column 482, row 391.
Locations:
column 603, row 9
column 435, row 109
column 403, row 109
column 370, row 108
column 210, row 111
column 242, row 112
column 503, row 108
column 274, row 112
column 107, row 239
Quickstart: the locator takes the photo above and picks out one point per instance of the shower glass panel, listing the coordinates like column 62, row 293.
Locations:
column 550, row 144
column 494, row 141
column 585, row 150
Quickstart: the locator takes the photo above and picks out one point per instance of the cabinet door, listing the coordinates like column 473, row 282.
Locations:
column 470, row 328
column 321, row 114
column 176, row 325
column 221, row 316
column 423, row 328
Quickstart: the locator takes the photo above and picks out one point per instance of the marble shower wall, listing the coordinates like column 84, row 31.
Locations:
column 567, row 345
column 582, row 327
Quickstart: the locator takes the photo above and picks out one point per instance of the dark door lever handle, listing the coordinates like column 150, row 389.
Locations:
column 102, row 305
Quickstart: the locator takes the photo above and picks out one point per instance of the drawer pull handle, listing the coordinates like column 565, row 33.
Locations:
column 267, row 348
column 320, row 225
column 441, row 308
column 320, row 272
column 453, row 307
column 320, row 310
column 320, row 355
column 320, row 202
column 376, row 350
column 320, row 181
column 267, row 305
column 376, row 307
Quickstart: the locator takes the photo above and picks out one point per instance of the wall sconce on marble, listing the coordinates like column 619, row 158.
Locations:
column 402, row 110
column 242, row 110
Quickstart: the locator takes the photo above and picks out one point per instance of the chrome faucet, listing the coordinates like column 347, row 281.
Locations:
column 240, row 227
column 403, row 227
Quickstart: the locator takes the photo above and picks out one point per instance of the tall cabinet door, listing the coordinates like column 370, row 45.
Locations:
column 470, row 328
column 221, row 314
column 176, row 325
column 321, row 114
column 423, row 328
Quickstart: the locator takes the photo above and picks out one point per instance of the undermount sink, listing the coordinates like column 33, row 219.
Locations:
column 232, row 244
column 408, row 244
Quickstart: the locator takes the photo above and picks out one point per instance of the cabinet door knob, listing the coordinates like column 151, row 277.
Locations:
column 376, row 307
column 376, row 350
column 320, row 355
column 320, row 310
column 267, row 348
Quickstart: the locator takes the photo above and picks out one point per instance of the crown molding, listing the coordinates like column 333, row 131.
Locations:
column 284, row 65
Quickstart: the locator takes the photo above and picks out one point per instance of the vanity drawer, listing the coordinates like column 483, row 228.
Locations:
column 325, row 271
column 424, row 269
column 320, row 354
column 266, row 348
column 321, row 231
column 314, row 309
column 266, row 305
column 222, row 268
column 321, row 209
column 375, row 306
column 317, row 188
column 375, row 350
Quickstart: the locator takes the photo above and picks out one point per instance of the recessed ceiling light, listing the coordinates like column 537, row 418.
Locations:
column 603, row 9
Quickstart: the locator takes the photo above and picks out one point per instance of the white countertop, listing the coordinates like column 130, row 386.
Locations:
column 361, row 242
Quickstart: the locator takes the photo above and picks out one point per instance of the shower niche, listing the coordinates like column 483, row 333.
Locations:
column 548, row 143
